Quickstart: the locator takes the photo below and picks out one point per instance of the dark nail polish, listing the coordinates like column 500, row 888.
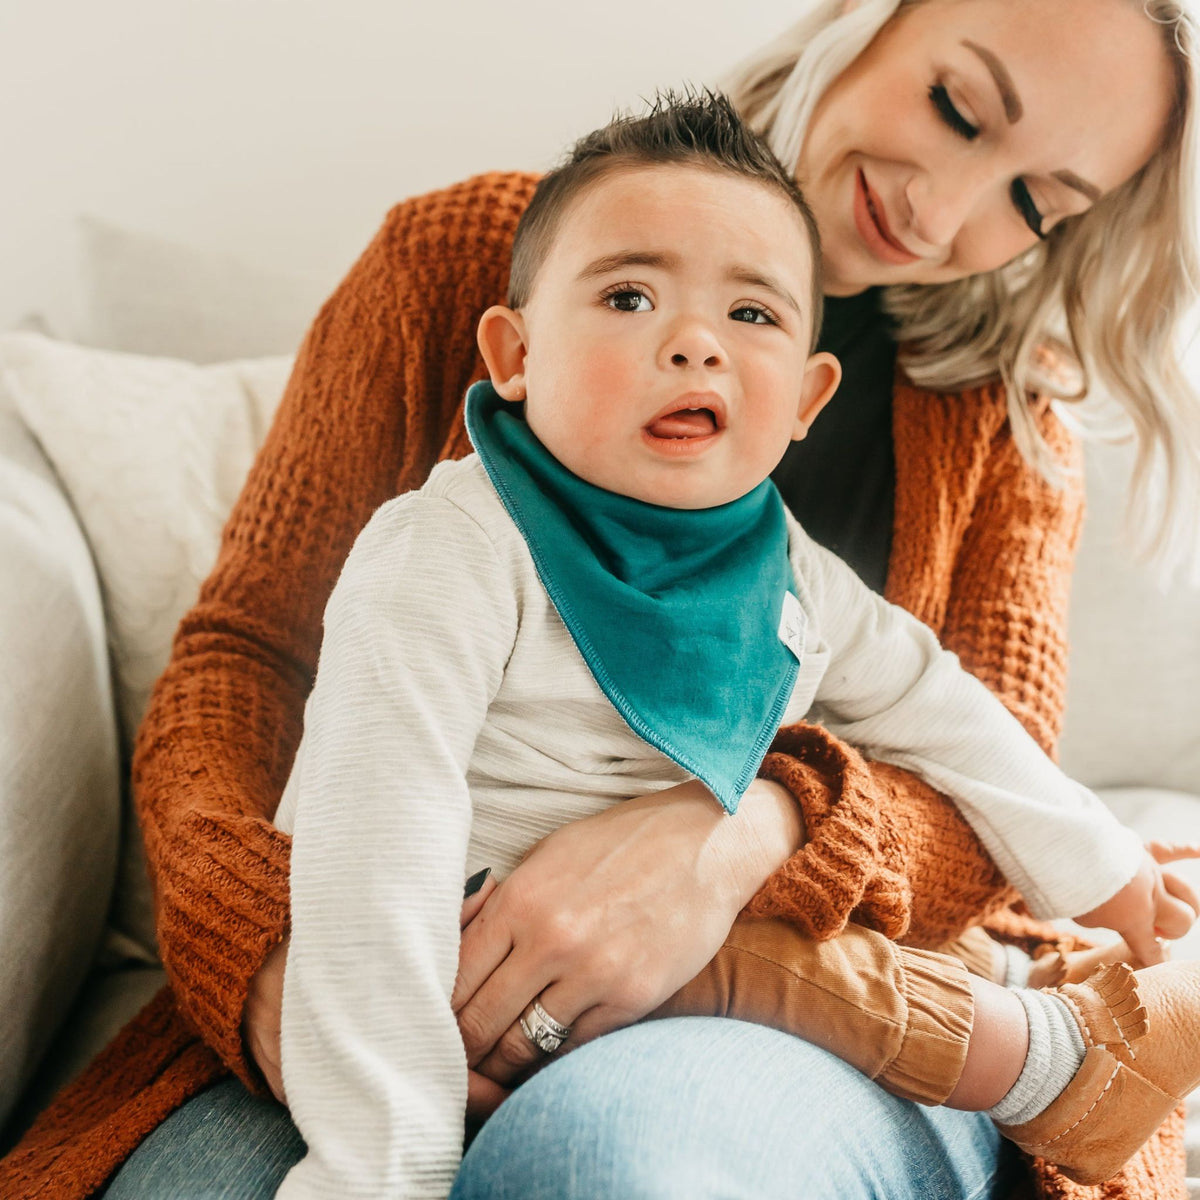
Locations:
column 476, row 882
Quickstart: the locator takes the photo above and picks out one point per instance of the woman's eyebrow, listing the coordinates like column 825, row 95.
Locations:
column 1090, row 190
column 1014, row 110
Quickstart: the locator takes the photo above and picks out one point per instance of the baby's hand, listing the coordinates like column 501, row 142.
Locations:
column 1152, row 906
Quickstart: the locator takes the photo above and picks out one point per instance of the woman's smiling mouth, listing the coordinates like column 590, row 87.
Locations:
column 871, row 221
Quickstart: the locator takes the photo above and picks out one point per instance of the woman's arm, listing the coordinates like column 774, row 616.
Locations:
column 610, row 915
column 372, row 403
column 896, row 694
column 989, row 570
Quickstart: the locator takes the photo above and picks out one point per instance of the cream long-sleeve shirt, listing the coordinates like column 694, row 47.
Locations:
column 453, row 724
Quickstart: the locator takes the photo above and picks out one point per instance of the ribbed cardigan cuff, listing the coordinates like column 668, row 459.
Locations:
column 849, row 863
column 220, row 912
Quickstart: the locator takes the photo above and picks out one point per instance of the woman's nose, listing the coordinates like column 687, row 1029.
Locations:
column 940, row 205
column 693, row 343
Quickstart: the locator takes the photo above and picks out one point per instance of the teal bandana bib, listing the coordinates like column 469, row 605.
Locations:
column 677, row 613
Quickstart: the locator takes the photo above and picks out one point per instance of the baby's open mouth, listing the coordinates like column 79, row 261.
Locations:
column 684, row 423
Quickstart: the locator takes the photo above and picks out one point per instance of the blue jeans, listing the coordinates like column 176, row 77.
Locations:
column 696, row 1107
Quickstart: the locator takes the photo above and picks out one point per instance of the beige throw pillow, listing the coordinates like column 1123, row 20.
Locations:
column 153, row 295
column 151, row 453
column 1133, row 690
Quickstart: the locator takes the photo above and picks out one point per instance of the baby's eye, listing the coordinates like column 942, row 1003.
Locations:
column 627, row 299
column 753, row 314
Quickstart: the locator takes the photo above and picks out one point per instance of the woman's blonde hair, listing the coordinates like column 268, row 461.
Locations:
column 1109, row 289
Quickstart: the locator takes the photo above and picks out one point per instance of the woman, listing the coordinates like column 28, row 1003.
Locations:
column 991, row 163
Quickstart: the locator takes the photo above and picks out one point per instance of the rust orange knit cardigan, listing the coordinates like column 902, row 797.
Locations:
column 981, row 552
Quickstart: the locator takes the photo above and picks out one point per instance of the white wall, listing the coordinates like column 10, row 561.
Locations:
column 281, row 130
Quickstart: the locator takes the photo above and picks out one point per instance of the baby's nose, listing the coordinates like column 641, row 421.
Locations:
column 694, row 344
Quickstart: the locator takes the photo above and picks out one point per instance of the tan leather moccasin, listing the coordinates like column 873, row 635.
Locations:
column 1141, row 1030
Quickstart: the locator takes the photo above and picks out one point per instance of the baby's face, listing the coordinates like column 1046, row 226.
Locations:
column 667, row 336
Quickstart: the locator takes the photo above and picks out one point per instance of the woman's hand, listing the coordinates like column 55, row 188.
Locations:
column 263, row 1017
column 610, row 915
column 484, row 1095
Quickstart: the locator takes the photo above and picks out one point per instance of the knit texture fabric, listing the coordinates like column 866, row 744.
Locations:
column 981, row 552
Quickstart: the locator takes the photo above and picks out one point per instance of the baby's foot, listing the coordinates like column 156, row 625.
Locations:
column 1142, row 1057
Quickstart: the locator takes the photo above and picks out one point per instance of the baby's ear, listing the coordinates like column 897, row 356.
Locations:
column 501, row 338
column 822, row 374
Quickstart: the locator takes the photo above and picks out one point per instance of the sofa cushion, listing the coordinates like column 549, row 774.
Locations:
column 59, row 773
column 152, row 453
column 1133, row 690
column 154, row 295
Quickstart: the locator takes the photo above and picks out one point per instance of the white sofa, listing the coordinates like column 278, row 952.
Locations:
column 116, row 471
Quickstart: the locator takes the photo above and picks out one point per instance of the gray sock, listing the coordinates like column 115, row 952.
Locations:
column 1055, row 1055
column 1016, row 967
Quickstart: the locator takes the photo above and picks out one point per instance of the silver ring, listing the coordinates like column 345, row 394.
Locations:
column 542, row 1030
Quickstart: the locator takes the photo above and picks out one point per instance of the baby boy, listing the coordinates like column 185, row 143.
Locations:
column 607, row 599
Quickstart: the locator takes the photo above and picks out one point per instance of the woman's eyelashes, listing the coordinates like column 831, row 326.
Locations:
column 949, row 113
column 1018, row 189
column 1026, row 207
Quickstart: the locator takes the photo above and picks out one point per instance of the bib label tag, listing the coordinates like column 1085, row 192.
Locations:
column 793, row 623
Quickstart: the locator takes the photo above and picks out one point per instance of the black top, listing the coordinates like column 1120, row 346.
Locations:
column 840, row 482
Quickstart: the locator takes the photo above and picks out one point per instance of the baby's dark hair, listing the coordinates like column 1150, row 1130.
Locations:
column 692, row 128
